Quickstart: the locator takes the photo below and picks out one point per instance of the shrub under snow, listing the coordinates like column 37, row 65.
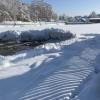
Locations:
column 57, row 34
column 36, row 35
column 8, row 36
column 46, row 34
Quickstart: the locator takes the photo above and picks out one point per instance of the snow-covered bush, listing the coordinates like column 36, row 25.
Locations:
column 8, row 36
column 58, row 34
column 35, row 35
column 46, row 34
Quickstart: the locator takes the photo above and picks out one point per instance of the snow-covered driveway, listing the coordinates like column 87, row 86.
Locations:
column 52, row 71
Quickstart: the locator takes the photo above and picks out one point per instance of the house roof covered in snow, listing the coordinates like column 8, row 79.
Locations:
column 94, row 18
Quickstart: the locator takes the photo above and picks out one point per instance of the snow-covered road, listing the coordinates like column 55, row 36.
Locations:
column 57, row 71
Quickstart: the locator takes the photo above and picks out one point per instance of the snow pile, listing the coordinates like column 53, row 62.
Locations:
column 45, row 35
column 4, row 63
column 36, row 35
column 8, row 36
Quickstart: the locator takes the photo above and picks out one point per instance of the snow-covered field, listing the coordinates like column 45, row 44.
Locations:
column 67, row 70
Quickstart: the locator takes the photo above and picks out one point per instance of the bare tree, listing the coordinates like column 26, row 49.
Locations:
column 11, row 6
column 15, row 10
column 42, row 11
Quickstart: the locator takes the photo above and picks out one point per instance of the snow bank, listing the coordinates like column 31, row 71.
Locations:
column 8, row 36
column 36, row 35
column 46, row 34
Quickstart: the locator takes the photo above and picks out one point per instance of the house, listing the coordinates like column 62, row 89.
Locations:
column 94, row 20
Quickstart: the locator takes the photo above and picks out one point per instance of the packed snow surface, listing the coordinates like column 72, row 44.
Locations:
column 67, row 70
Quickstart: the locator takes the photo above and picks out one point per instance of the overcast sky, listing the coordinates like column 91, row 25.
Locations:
column 74, row 7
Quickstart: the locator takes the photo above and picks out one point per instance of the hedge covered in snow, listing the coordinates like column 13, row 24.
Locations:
column 35, row 35
column 8, row 36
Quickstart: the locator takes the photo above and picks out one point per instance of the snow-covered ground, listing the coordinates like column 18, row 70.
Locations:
column 67, row 70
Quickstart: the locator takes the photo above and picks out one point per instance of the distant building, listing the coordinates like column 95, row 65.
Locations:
column 94, row 20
